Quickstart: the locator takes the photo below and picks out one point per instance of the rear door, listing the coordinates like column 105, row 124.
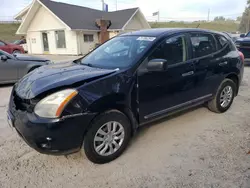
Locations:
column 208, row 63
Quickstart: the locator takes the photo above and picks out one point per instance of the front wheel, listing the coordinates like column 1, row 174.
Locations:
column 108, row 137
column 224, row 97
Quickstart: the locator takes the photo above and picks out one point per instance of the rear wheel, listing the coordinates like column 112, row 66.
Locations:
column 224, row 97
column 108, row 137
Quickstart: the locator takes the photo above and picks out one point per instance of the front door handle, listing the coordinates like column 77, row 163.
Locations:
column 223, row 63
column 188, row 73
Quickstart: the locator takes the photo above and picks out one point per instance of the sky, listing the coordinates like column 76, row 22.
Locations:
column 186, row 10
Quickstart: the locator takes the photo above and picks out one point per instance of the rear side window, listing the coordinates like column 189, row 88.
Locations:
column 202, row 44
column 174, row 50
column 222, row 41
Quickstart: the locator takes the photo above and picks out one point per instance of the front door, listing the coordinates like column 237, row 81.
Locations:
column 45, row 42
column 166, row 91
column 8, row 70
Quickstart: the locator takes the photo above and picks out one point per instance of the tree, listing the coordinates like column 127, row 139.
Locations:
column 219, row 18
column 239, row 18
column 245, row 19
column 230, row 20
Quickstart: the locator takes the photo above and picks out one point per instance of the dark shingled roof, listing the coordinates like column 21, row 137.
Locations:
column 78, row 17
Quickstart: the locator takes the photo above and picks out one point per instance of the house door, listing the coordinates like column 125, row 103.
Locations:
column 45, row 42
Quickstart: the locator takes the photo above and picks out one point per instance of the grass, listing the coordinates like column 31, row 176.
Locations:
column 8, row 32
column 228, row 26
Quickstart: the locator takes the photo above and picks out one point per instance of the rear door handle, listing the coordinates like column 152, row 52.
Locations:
column 188, row 73
column 223, row 63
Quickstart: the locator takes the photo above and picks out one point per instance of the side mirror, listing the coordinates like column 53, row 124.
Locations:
column 242, row 35
column 157, row 65
column 4, row 58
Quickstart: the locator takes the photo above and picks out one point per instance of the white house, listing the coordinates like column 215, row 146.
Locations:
column 59, row 28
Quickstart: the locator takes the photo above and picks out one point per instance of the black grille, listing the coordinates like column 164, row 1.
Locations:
column 245, row 45
column 21, row 104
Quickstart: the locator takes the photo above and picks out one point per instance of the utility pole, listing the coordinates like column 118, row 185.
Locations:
column 116, row 4
column 248, row 22
column 208, row 15
column 158, row 16
column 102, row 5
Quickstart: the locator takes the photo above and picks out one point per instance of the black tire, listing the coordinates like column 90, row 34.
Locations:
column 112, row 115
column 214, row 105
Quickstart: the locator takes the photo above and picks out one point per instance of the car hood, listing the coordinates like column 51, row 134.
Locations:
column 54, row 76
column 24, row 57
column 246, row 39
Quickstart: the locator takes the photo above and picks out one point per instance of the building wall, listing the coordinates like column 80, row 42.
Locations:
column 113, row 34
column 137, row 23
column 134, row 24
column 24, row 16
column 85, row 47
column 44, row 21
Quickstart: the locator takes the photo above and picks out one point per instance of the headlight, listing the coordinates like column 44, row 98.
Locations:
column 53, row 105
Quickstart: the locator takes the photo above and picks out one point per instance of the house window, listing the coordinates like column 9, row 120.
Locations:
column 33, row 40
column 60, row 39
column 88, row 38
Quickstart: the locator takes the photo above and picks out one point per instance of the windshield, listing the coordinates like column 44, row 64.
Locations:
column 17, row 42
column 248, row 34
column 119, row 52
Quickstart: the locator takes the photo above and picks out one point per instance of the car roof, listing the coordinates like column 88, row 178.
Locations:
column 166, row 31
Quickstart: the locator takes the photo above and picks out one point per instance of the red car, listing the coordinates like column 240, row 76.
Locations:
column 11, row 48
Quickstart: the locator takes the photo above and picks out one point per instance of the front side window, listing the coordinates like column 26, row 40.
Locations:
column 60, row 39
column 17, row 42
column 248, row 34
column 119, row 52
column 88, row 38
column 174, row 50
column 202, row 44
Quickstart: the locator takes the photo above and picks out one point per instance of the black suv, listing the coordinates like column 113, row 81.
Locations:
column 243, row 45
column 99, row 101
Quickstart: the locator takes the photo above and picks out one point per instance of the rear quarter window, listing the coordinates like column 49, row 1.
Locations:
column 222, row 41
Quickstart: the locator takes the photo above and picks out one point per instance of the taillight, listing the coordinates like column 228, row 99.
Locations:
column 242, row 56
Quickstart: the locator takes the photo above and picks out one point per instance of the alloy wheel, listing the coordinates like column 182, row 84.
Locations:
column 109, row 138
column 226, row 96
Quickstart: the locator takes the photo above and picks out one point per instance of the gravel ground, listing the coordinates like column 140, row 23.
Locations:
column 196, row 149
